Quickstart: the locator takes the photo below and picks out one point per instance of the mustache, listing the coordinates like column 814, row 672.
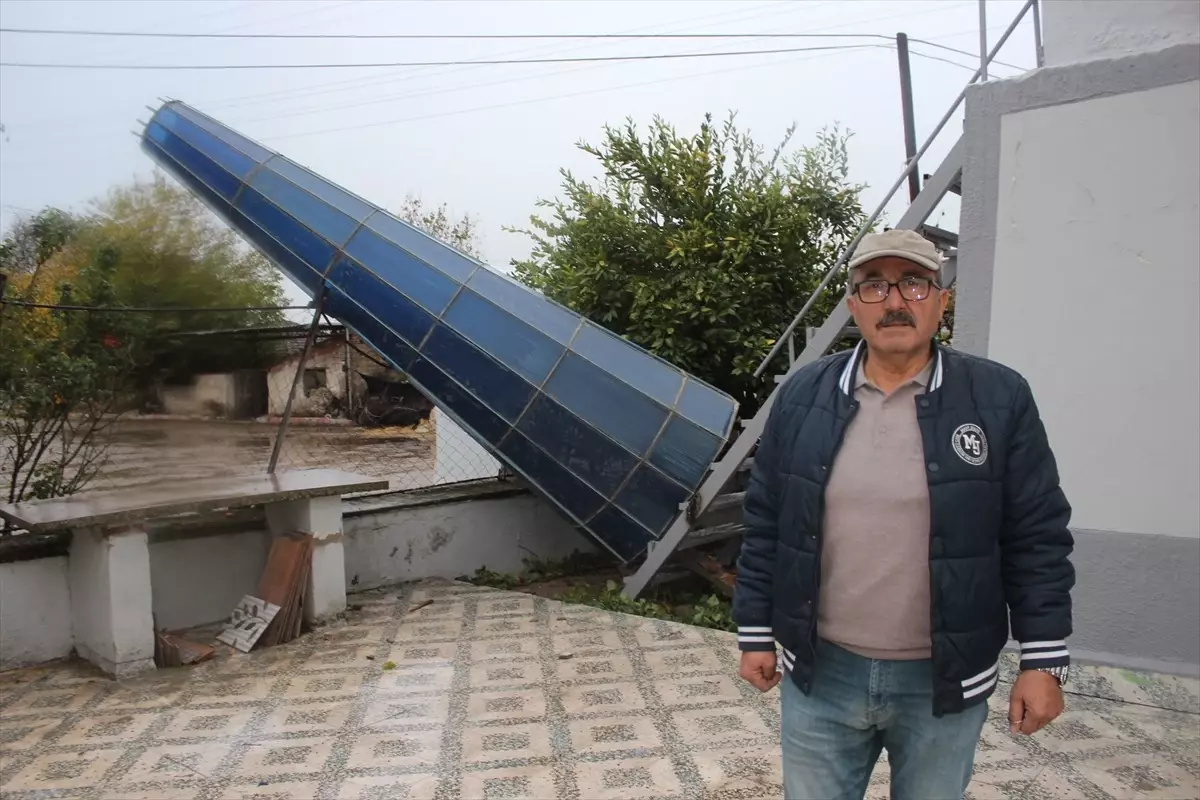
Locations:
column 897, row 316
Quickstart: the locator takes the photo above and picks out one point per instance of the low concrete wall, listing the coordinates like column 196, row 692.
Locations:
column 449, row 532
column 35, row 612
column 201, row 567
column 196, row 579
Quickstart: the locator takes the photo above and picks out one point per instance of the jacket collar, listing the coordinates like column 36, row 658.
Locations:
column 850, row 372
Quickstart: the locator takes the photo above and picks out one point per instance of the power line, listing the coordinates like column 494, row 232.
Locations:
column 424, row 36
column 563, row 96
column 152, row 310
column 481, row 62
column 967, row 53
column 932, row 57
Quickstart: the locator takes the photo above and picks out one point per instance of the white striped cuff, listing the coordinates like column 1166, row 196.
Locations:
column 983, row 682
column 756, row 638
column 1035, row 655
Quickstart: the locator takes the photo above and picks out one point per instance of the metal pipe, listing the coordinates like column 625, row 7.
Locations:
column 866, row 226
column 906, row 111
column 983, row 48
column 1038, row 52
column 287, row 409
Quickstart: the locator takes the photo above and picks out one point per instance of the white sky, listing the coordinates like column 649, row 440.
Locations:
column 487, row 140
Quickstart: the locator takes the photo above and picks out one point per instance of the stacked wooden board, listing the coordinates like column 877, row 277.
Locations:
column 284, row 583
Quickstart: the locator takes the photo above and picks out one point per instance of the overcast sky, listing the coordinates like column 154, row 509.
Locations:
column 487, row 140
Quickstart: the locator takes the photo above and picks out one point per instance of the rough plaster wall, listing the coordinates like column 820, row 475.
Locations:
column 279, row 380
column 1082, row 30
column 195, row 581
column 35, row 612
column 1094, row 293
column 454, row 539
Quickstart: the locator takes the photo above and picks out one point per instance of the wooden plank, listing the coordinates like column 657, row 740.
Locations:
column 285, row 582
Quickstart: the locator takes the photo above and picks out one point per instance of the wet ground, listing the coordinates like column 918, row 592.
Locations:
column 489, row 694
column 150, row 450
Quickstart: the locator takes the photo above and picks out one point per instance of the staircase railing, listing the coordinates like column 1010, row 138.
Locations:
column 787, row 338
column 947, row 174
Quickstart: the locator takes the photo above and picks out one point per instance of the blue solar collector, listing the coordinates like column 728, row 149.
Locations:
column 617, row 438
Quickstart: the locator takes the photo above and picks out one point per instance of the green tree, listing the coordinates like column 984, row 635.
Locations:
column 64, row 374
column 62, row 378
column 32, row 242
column 700, row 248
column 462, row 233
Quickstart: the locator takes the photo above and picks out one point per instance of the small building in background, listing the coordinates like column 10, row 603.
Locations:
column 344, row 378
column 241, row 394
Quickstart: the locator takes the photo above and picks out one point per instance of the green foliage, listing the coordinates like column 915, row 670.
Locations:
column 542, row 569
column 61, row 379
column 171, row 252
column 610, row 599
column 497, row 580
column 33, row 241
column 705, row 611
column 577, row 563
column 149, row 243
column 714, row 612
column 462, row 234
column 699, row 248
column 64, row 375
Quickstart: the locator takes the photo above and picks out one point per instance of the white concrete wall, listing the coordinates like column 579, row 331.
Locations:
column 452, row 539
column 1094, row 298
column 457, row 456
column 196, row 581
column 35, row 612
column 1082, row 30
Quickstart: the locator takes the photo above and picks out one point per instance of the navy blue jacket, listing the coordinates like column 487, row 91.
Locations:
column 998, row 544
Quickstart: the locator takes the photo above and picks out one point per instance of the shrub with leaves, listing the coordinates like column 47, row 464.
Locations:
column 699, row 248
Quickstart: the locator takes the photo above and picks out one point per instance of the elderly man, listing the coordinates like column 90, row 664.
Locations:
column 903, row 511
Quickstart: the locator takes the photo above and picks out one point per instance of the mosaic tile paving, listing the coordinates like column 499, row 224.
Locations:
column 499, row 696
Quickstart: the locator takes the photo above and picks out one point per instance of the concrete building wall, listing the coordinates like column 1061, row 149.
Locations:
column 311, row 402
column 1079, row 266
column 212, row 395
column 1082, row 30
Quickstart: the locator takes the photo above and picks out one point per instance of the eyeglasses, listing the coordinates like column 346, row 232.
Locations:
column 876, row 290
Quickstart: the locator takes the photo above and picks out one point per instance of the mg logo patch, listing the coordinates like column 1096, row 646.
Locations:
column 970, row 444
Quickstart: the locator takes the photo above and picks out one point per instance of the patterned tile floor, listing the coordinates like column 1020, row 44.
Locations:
column 502, row 695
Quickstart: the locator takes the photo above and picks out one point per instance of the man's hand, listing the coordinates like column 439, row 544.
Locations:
column 758, row 668
column 1035, row 702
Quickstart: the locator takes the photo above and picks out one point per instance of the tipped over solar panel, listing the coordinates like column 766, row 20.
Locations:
column 615, row 437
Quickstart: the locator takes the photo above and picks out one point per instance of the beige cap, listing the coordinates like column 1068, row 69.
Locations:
column 905, row 244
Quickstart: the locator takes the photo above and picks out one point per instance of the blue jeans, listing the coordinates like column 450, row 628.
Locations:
column 858, row 706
